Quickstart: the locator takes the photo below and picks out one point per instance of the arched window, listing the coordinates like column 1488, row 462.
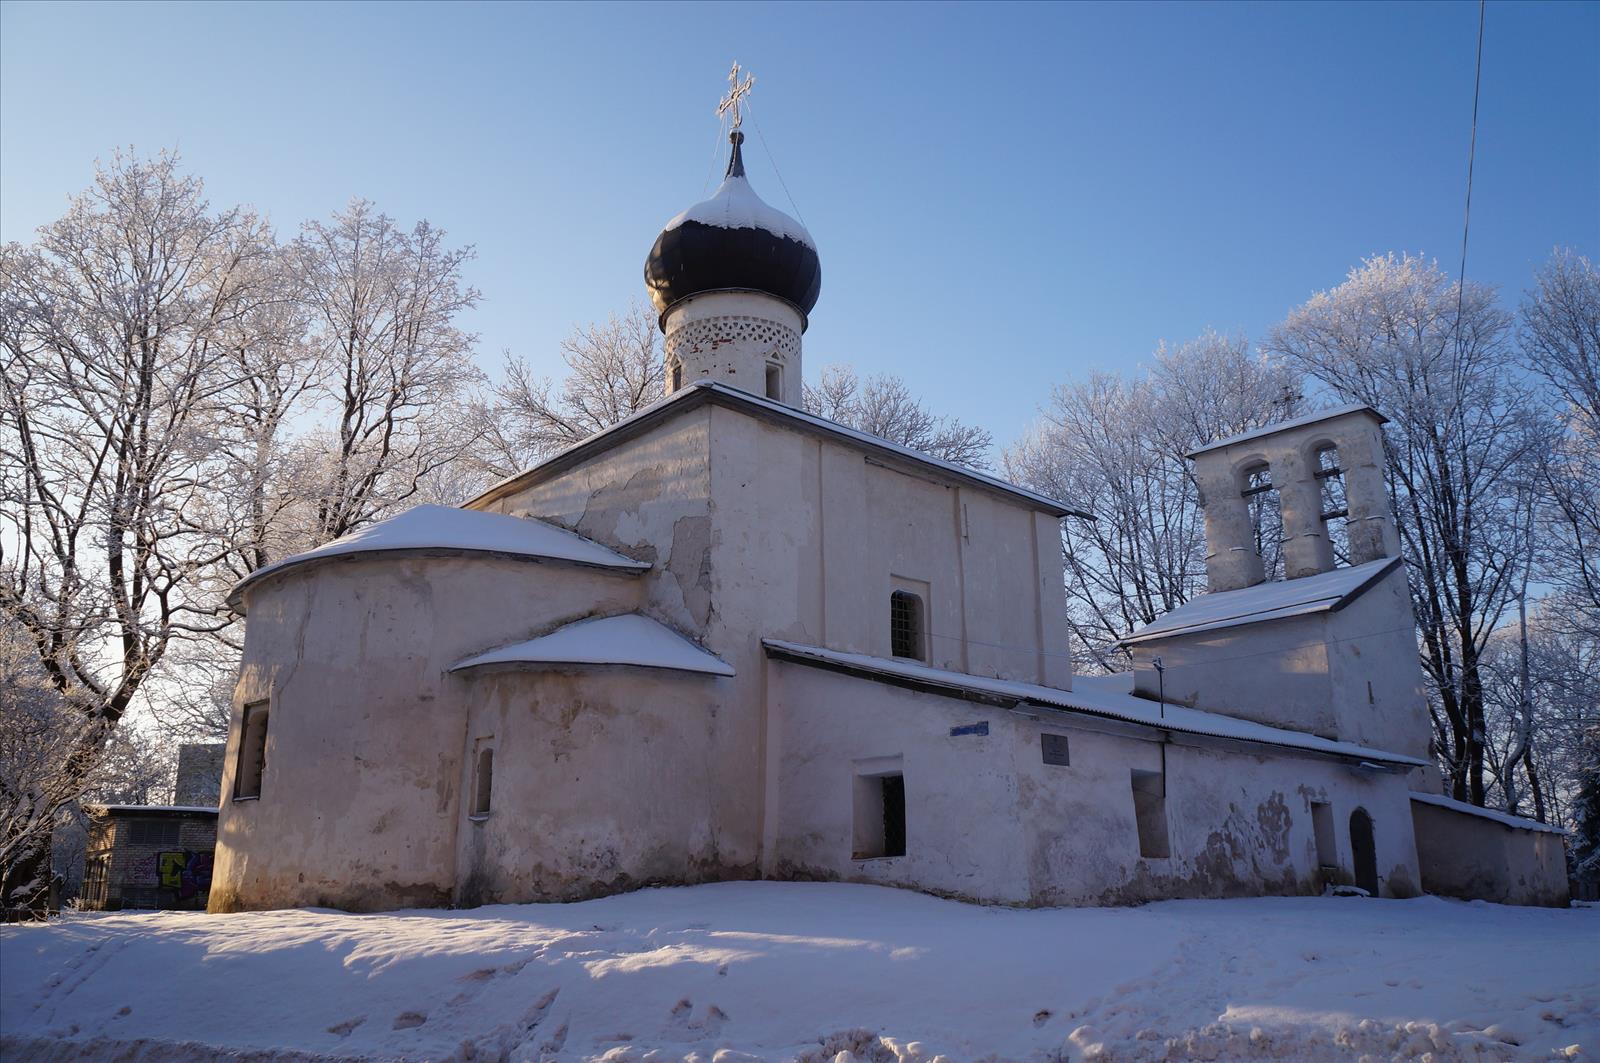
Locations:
column 1335, row 509
column 1266, row 517
column 907, row 636
column 483, row 786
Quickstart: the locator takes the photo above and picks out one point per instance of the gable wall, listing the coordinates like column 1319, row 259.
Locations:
column 813, row 537
column 1274, row 673
column 649, row 498
column 1373, row 641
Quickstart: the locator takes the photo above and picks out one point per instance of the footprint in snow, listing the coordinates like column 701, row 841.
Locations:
column 1041, row 1016
column 343, row 1029
column 407, row 1020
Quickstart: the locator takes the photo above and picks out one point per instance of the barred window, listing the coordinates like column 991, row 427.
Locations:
column 906, row 635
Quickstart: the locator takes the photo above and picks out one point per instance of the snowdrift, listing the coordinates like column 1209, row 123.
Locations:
column 738, row 972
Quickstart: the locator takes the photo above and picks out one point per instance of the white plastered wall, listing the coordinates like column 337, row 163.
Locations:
column 987, row 819
column 360, row 798
column 599, row 783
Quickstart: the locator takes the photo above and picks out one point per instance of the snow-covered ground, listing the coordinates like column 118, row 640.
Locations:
column 777, row 971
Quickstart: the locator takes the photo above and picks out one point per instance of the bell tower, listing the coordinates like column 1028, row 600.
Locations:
column 1326, row 471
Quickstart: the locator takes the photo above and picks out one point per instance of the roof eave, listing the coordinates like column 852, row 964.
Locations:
column 930, row 685
column 1262, row 616
column 701, row 392
column 1289, row 425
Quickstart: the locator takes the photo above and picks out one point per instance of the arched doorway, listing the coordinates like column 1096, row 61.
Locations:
column 1364, row 851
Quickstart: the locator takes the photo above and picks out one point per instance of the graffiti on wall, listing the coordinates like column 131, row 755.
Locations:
column 186, row 871
column 144, row 871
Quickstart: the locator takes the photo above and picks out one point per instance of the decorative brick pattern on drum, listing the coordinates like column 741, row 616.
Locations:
column 709, row 334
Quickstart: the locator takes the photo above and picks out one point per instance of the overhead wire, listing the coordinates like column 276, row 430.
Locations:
column 770, row 158
column 716, row 149
column 1472, row 152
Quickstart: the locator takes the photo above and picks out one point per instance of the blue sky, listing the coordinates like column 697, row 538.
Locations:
column 1004, row 197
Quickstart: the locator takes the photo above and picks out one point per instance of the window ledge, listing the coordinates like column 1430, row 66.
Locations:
column 247, row 797
column 875, row 859
column 479, row 817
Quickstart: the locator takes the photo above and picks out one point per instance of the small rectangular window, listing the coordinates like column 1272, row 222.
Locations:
column 1055, row 749
column 1322, row 824
column 158, row 832
column 1150, row 812
column 252, row 752
column 774, row 381
column 880, row 816
column 906, row 635
column 677, row 376
column 484, row 786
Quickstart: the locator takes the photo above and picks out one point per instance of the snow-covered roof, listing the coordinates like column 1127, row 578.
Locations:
column 154, row 808
column 735, row 205
column 629, row 639
column 1294, row 422
column 1503, row 818
column 701, row 391
column 1108, row 697
column 1273, row 600
column 445, row 529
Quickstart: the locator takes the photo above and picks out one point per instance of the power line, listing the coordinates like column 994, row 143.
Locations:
column 1472, row 151
column 774, row 162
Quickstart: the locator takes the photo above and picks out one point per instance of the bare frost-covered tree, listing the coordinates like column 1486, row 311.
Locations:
column 1540, row 695
column 1463, row 439
column 883, row 406
column 382, row 304
column 1561, row 343
column 615, row 368
column 182, row 401
column 1117, row 444
column 115, row 338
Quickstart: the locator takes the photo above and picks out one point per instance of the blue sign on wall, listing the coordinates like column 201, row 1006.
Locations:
column 970, row 729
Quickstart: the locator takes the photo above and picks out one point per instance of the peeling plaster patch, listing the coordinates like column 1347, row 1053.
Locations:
column 1273, row 817
column 690, row 565
column 1398, row 882
column 607, row 507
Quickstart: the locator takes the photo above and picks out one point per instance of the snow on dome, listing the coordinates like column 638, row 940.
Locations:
column 447, row 529
column 734, row 242
column 735, row 205
column 629, row 639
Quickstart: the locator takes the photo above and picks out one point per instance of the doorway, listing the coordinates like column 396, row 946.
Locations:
column 1364, row 851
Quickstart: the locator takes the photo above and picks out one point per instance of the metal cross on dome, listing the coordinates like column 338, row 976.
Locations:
column 737, row 90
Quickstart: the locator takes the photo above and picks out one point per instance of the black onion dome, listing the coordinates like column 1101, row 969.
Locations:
column 734, row 242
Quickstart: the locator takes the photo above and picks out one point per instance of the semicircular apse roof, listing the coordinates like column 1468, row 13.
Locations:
column 447, row 530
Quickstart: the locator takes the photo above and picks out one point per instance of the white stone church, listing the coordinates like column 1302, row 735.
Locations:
column 727, row 639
